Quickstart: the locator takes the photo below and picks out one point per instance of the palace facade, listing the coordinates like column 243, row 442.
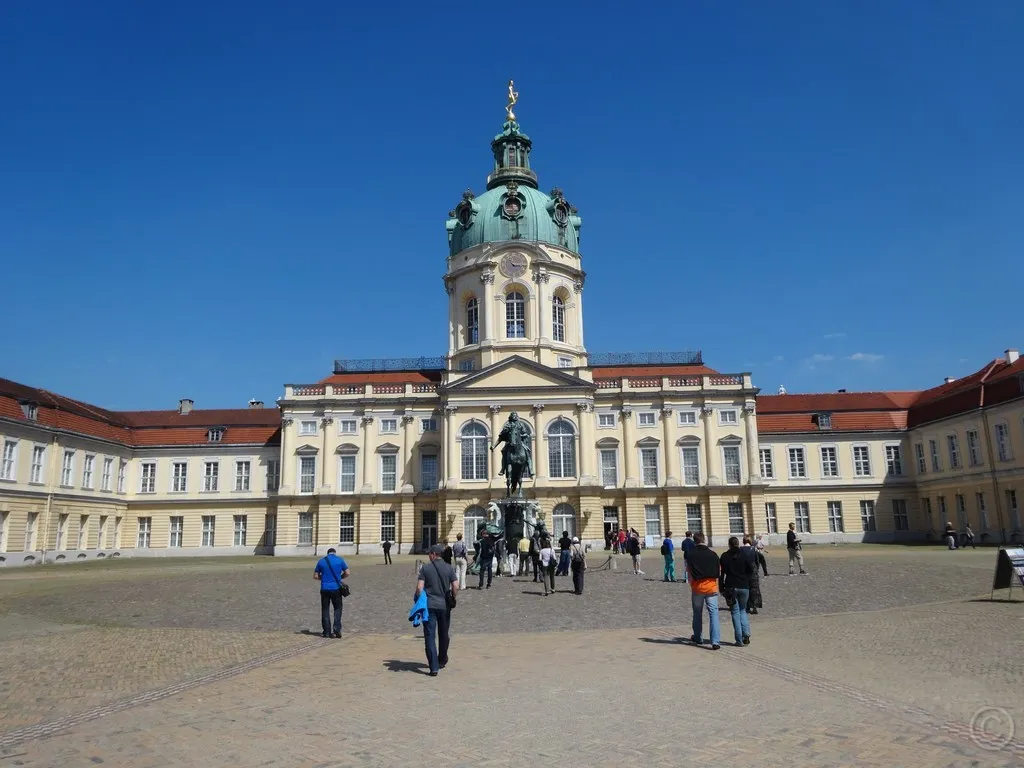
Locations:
column 400, row 450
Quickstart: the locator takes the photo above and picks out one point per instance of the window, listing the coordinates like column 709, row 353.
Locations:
column 563, row 518
column 389, row 426
column 209, row 529
column 691, row 465
column 147, row 482
column 829, row 461
column 558, row 319
column 835, row 516
column 30, row 411
column 347, row 426
column 954, row 451
column 215, row 435
column 145, row 529
column 8, row 466
column 515, row 319
column 428, row 472
column 273, row 474
column 797, row 465
column 3, row 531
column 973, row 448
column 649, row 466
column 609, row 468
column 933, row 447
column 467, row 365
column 982, row 511
column 736, row 519
column 727, row 417
column 307, row 474
column 565, row 362
column 347, row 528
column 88, row 469
column 771, row 518
column 767, row 465
column 652, row 519
column 472, row 519
column 307, row 427
column 347, row 473
column 67, row 468
column 474, row 452
column 942, row 507
column 1003, row 442
column 211, row 475
column 926, row 505
column 106, row 479
column 606, row 419
column 861, row 461
column 30, row 531
column 687, row 418
column 561, row 449
column 1011, row 505
column 243, row 473
column 387, row 526
column 122, row 475
column 388, row 472
column 694, row 518
column 179, row 477
column 802, row 513
column 428, row 424
column 922, row 465
column 899, row 515
column 177, row 531
column 241, row 521
column 62, row 532
column 867, row 515
column 731, row 462
column 646, row 419
column 83, row 532
column 893, row 460
column 472, row 322
column 38, row 455
column 961, row 512
column 824, row 421
column 270, row 530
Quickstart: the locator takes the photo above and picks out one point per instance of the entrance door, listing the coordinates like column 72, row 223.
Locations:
column 270, row 530
column 611, row 522
column 428, row 529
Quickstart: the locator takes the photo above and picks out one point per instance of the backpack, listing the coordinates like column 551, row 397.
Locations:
column 664, row 547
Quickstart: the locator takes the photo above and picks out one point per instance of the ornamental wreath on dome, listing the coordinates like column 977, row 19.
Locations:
column 512, row 203
column 464, row 210
column 562, row 208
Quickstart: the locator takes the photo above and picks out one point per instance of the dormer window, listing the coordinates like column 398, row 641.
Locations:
column 31, row 411
column 824, row 421
column 215, row 435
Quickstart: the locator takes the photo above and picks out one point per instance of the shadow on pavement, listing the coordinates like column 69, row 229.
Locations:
column 397, row 665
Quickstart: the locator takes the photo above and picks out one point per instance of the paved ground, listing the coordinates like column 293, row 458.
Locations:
column 881, row 657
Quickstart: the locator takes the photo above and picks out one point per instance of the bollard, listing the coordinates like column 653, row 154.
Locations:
column 614, row 562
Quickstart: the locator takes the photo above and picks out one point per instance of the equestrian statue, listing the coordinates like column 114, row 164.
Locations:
column 516, row 454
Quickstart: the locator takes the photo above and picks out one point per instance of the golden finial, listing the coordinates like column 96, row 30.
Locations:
column 513, row 99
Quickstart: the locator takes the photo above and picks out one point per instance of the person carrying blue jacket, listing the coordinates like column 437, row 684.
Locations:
column 329, row 571
column 419, row 613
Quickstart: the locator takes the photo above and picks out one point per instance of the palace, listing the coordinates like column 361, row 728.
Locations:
column 400, row 450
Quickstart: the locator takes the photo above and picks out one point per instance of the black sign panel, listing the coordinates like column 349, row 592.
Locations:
column 1009, row 568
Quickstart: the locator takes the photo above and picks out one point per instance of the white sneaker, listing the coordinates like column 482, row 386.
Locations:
column 639, row 573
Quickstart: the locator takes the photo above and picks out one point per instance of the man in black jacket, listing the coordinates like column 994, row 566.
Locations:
column 704, row 570
column 737, row 570
column 793, row 544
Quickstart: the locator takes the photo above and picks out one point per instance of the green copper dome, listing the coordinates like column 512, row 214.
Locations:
column 513, row 208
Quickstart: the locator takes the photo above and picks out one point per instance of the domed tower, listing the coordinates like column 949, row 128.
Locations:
column 514, row 278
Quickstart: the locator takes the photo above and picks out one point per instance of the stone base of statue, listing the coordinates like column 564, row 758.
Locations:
column 509, row 521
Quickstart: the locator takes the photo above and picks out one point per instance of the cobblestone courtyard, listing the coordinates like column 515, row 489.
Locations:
column 882, row 656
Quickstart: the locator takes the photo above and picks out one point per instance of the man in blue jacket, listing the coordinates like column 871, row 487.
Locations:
column 330, row 571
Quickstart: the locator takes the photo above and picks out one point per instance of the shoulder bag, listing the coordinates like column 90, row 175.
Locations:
column 342, row 586
column 449, row 598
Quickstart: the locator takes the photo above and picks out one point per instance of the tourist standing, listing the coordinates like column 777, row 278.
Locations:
column 513, row 560
column 622, row 540
column 950, row 535
column 329, row 571
column 524, row 556
column 439, row 581
column 668, row 550
column 578, row 564
column 737, row 571
column 535, row 558
column 794, row 545
column 460, row 553
column 564, row 544
column 704, row 570
column 484, row 558
column 547, row 565
column 449, row 553
column 756, row 558
column 968, row 537
column 686, row 545
column 386, row 546
column 633, row 547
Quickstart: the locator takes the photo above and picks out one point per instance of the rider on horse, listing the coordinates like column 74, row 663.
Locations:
column 516, row 435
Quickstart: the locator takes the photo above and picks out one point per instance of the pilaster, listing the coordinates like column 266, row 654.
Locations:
column 368, row 453
column 495, row 456
column 671, row 453
column 629, row 457
column 753, row 460
column 588, row 450
column 449, row 446
column 538, row 441
column 406, row 470
column 710, row 454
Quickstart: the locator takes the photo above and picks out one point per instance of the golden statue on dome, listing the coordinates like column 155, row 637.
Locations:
column 513, row 99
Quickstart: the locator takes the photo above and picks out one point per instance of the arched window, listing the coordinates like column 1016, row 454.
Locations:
column 472, row 519
column 472, row 322
column 474, row 451
column 558, row 319
column 563, row 519
column 561, row 449
column 515, row 316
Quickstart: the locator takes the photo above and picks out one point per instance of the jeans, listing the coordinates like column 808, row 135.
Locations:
column 547, row 574
column 486, row 565
column 563, row 563
column 387, row 557
column 460, row 571
column 670, row 568
column 740, row 622
column 535, row 559
column 329, row 597
column 437, row 648
column 577, row 578
column 698, row 602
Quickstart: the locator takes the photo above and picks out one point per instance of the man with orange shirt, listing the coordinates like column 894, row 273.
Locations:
column 704, row 569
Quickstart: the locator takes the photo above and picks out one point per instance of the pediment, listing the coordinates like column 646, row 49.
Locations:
column 521, row 375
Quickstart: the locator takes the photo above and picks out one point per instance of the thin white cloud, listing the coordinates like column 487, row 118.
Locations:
column 835, row 335
column 819, row 358
column 865, row 357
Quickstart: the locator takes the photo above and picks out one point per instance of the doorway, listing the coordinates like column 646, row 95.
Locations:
column 428, row 529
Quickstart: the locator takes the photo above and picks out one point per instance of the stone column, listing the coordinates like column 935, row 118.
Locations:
column 577, row 286
column 587, row 447
column 368, row 454
column 487, row 307
column 629, row 449
column 495, row 456
column 671, row 452
column 753, row 459
column 449, row 445
column 287, row 461
column 710, row 461
column 540, row 279
column 406, row 473
column 325, row 487
column 539, row 460
column 449, row 286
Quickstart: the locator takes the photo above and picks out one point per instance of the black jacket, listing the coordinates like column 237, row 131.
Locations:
column 736, row 570
column 791, row 540
column 703, row 563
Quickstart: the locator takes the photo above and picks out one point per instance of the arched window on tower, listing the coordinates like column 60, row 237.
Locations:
column 561, row 449
column 558, row 319
column 474, row 451
column 472, row 322
column 515, row 315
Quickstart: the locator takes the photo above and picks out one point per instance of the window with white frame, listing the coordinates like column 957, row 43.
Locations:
column 346, row 528
column 605, row 420
column 179, row 477
column 305, row 529
column 973, row 448
column 1003, row 442
column 961, row 511
column 211, row 475
column 3, row 531
column 736, row 523
column 515, row 317
column 731, row 463
column 893, row 460
column 215, row 435
column 273, row 474
column 474, row 451
column 472, row 519
column 428, row 472
column 899, row 515
column 979, row 499
column 472, row 322
column 31, row 411
column 8, row 464
column 307, row 427
column 824, row 421
column 867, row 515
column 388, row 472
column 346, row 426
column 771, row 517
column 609, row 467
column 829, row 461
column 646, row 419
column 67, row 469
column 687, row 418
column 107, row 478
column 563, row 518
column 797, row 463
column 177, row 531
column 467, row 365
column 30, row 531
column 122, row 475
column 241, row 523
column 209, row 530
column 802, row 516
column 565, row 362
column 861, row 461
column 347, row 473
column 101, row 533
column 767, row 463
column 694, row 518
column 38, row 457
column 387, row 526
column 691, row 464
column 557, row 318
column 88, row 469
column 649, row 466
column 428, row 424
column 727, row 417
column 147, row 477
column 145, row 531
column 941, row 501
column 561, row 449
column 652, row 520
column 307, row 474
column 389, row 426
column 835, row 516
column 83, row 532
column 953, row 444
column 933, row 447
column 270, row 529
column 1011, row 505
column 929, row 521
column 62, row 533
column 922, row 465
column 243, row 475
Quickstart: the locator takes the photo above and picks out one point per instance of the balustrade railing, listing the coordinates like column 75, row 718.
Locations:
column 388, row 389
column 648, row 383
column 303, row 390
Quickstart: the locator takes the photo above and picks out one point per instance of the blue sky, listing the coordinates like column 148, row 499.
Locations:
column 206, row 200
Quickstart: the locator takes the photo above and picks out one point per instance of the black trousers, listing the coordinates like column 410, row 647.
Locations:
column 387, row 557
column 577, row 578
column 436, row 637
column 535, row 559
column 486, row 564
column 548, row 575
column 329, row 597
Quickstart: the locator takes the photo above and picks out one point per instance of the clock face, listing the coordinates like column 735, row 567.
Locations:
column 513, row 265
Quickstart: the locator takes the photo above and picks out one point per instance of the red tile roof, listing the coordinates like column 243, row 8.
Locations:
column 249, row 417
column 869, row 421
column 833, row 402
column 198, row 436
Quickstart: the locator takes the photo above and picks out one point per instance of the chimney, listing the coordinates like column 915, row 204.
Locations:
column 185, row 407
column 254, row 403
column 841, row 391
column 1012, row 356
column 948, row 380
